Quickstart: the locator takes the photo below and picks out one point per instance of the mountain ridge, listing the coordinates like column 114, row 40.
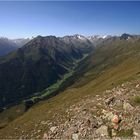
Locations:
column 44, row 59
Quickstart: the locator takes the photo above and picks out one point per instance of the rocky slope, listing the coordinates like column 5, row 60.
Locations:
column 104, row 116
column 113, row 113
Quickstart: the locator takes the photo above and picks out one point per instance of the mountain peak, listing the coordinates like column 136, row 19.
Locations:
column 125, row 36
column 43, row 41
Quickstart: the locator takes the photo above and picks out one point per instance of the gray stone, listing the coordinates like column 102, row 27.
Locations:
column 45, row 136
column 39, row 131
column 99, row 121
column 114, row 133
column 127, row 106
column 110, row 101
column 53, row 128
column 118, row 103
column 103, row 130
column 74, row 136
column 38, row 136
column 43, row 122
column 137, row 85
column 136, row 133
column 107, row 115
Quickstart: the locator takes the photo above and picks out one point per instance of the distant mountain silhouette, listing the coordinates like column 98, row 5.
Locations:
column 8, row 45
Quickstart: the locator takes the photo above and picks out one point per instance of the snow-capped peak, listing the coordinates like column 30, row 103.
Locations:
column 98, row 37
column 81, row 37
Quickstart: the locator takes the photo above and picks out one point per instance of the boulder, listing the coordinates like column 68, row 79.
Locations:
column 39, row 131
column 107, row 115
column 103, row 130
column 45, row 136
column 74, row 136
column 127, row 106
column 44, row 123
column 53, row 128
column 110, row 101
column 114, row 132
column 137, row 85
column 136, row 133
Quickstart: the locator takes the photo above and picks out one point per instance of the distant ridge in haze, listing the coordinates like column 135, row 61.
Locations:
column 9, row 45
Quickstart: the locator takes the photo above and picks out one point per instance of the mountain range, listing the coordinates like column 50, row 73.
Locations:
column 9, row 45
column 43, row 61
column 78, row 68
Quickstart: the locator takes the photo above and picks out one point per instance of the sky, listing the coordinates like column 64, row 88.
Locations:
column 29, row 19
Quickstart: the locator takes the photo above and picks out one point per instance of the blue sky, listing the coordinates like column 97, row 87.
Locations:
column 27, row 19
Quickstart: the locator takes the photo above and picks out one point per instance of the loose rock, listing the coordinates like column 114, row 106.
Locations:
column 53, row 128
column 127, row 106
column 75, row 136
column 103, row 130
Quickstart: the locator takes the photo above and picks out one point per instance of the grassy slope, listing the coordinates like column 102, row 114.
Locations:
column 10, row 114
column 109, row 66
column 56, row 86
column 14, row 112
